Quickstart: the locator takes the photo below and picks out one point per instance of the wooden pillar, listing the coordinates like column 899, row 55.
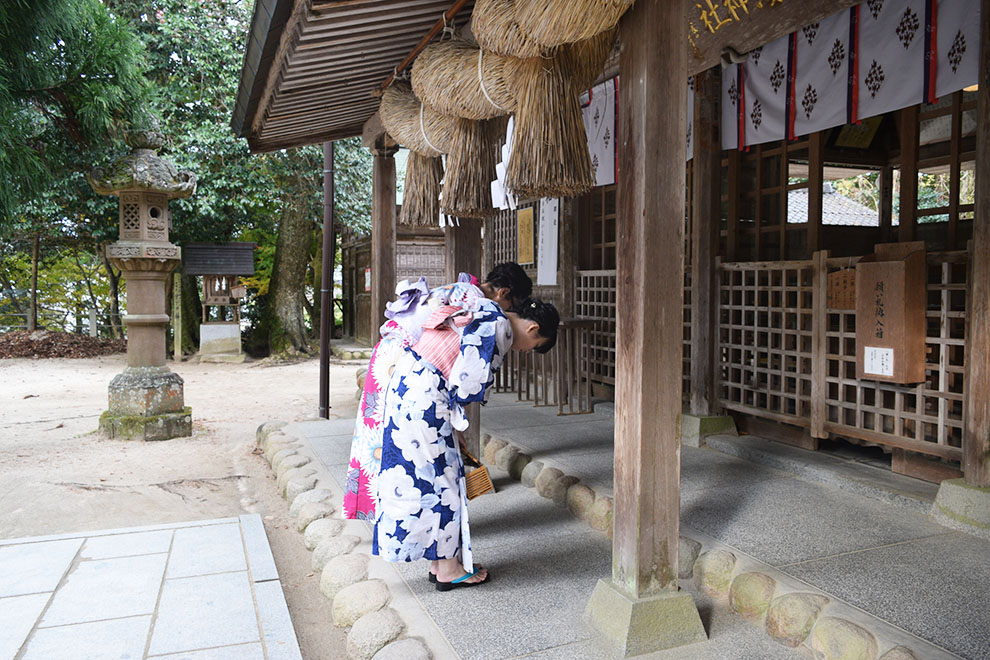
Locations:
column 382, row 231
column 976, row 431
column 732, row 208
column 650, row 272
column 463, row 250
column 463, row 255
column 908, row 228
column 816, row 188
column 706, row 205
column 650, row 248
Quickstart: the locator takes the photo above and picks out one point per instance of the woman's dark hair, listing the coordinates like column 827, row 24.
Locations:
column 511, row 275
column 544, row 314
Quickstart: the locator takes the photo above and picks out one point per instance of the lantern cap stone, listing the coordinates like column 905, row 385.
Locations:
column 142, row 170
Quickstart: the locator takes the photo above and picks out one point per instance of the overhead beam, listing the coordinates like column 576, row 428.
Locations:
column 710, row 27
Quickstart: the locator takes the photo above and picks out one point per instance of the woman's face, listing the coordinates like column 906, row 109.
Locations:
column 525, row 334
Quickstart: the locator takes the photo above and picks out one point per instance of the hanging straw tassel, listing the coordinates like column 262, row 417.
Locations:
column 585, row 60
column 471, row 167
column 556, row 22
column 421, row 193
column 549, row 146
column 493, row 23
column 413, row 125
column 458, row 79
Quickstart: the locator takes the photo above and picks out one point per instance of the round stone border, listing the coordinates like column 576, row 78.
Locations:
column 362, row 600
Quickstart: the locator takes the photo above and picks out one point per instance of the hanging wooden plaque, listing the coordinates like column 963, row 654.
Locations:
column 842, row 289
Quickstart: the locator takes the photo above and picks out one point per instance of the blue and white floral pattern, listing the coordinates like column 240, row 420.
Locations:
column 422, row 507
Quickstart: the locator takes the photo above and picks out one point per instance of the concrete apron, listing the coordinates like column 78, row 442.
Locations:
column 790, row 611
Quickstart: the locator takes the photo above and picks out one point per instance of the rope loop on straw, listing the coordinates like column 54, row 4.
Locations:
column 448, row 30
column 481, row 81
column 422, row 130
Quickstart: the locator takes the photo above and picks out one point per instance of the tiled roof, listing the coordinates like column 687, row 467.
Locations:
column 837, row 209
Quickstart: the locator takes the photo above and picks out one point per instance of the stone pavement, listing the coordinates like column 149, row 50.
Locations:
column 870, row 553
column 203, row 590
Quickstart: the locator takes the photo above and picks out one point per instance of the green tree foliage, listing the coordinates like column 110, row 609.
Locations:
column 70, row 76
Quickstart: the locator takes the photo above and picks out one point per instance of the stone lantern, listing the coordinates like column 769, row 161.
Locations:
column 146, row 400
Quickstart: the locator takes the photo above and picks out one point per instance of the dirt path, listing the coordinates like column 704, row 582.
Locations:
column 57, row 475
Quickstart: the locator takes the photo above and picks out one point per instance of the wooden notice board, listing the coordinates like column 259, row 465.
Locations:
column 890, row 313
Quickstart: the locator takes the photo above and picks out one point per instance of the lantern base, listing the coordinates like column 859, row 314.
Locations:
column 156, row 427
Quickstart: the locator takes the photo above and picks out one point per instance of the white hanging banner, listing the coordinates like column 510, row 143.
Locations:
column 765, row 74
column 502, row 197
column 546, row 251
column 731, row 97
column 957, row 45
column 822, row 76
column 598, row 110
column 891, row 56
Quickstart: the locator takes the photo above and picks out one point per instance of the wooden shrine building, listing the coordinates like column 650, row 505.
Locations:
column 714, row 272
column 220, row 265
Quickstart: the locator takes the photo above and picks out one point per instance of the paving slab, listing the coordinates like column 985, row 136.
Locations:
column 35, row 567
column 18, row 614
column 107, row 589
column 107, row 594
column 205, row 550
column 239, row 652
column 126, row 545
column 204, row 611
column 98, row 640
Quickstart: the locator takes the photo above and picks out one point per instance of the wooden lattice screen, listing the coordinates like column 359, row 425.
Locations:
column 414, row 260
column 927, row 417
column 765, row 339
column 594, row 298
column 774, row 364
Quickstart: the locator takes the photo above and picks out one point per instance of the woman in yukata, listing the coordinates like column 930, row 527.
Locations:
column 507, row 284
column 422, row 508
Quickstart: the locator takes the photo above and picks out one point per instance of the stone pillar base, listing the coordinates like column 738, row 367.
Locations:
column 963, row 507
column 636, row 626
column 695, row 428
column 223, row 358
column 155, row 427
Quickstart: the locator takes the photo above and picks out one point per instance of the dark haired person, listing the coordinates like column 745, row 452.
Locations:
column 422, row 506
column 507, row 284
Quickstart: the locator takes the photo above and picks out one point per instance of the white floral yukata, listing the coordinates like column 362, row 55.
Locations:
column 422, row 508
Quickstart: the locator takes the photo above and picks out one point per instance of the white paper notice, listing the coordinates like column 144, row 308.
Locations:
column 878, row 361
column 546, row 254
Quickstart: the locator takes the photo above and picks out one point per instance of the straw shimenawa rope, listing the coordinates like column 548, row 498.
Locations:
column 555, row 22
column 457, row 79
column 475, row 149
column 493, row 23
column 421, row 193
column 412, row 125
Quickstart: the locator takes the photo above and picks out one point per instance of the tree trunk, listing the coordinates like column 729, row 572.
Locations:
column 32, row 320
column 315, row 271
column 192, row 314
column 114, row 278
column 284, row 318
